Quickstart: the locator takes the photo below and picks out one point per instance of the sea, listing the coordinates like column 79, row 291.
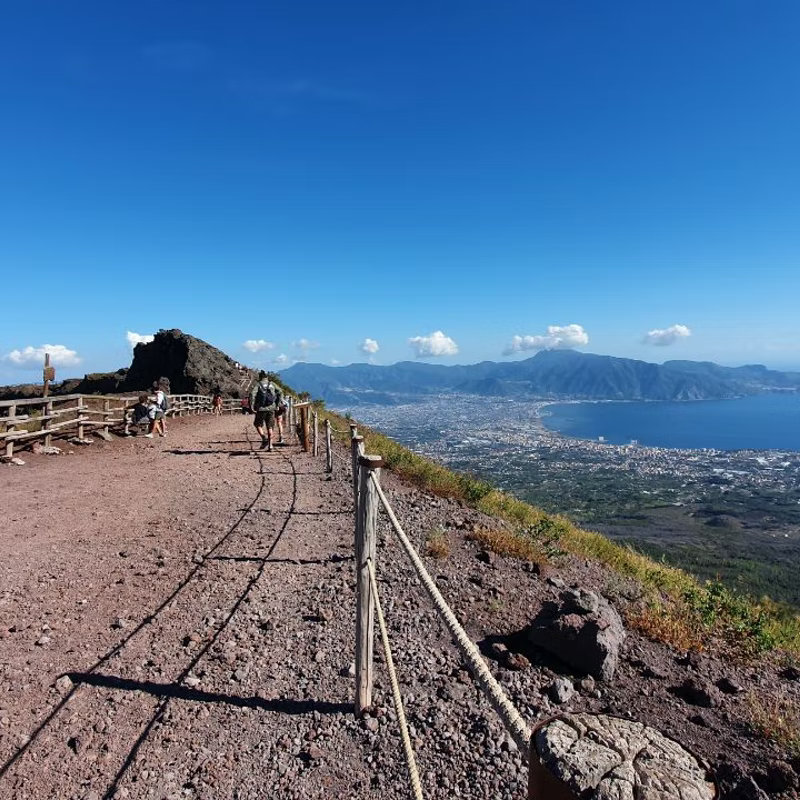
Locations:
column 759, row 422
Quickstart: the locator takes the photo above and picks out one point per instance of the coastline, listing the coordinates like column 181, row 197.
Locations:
column 707, row 428
column 733, row 514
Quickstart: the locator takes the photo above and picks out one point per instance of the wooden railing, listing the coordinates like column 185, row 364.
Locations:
column 76, row 415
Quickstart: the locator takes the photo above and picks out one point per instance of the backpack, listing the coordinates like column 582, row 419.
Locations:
column 164, row 401
column 265, row 396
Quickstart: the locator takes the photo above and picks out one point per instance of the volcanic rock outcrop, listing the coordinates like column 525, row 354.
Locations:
column 582, row 630
column 191, row 365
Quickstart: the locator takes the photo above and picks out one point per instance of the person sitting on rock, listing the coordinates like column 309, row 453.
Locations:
column 264, row 401
column 141, row 411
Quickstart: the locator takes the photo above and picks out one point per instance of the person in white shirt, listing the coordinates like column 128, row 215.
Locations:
column 158, row 407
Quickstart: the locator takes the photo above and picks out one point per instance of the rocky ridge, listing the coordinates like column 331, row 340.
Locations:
column 191, row 366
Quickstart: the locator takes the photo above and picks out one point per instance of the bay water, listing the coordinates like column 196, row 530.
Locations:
column 759, row 422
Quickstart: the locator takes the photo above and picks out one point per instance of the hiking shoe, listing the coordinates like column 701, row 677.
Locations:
column 148, row 436
column 162, row 435
column 264, row 444
column 269, row 447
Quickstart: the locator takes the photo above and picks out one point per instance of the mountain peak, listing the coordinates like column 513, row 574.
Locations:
column 553, row 374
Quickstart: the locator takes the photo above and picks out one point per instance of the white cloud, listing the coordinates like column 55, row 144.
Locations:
column 31, row 357
column 281, row 359
column 661, row 337
column 138, row 338
column 305, row 344
column 435, row 344
column 369, row 346
column 558, row 337
column 257, row 345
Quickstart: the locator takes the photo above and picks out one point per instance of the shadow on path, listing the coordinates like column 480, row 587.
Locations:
column 177, row 691
column 230, row 453
column 162, row 706
column 147, row 620
column 334, row 559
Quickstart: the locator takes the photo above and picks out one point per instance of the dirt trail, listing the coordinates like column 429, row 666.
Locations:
column 198, row 594
column 178, row 582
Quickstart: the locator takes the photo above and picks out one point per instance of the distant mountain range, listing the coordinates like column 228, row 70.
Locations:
column 558, row 374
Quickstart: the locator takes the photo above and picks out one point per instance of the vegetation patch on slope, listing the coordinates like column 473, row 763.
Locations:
column 675, row 607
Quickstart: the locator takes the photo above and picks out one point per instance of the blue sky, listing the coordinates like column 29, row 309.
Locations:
column 317, row 173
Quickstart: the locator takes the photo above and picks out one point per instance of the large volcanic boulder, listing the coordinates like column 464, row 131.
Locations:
column 582, row 630
column 191, row 365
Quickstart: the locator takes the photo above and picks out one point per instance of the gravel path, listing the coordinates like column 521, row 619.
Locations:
column 198, row 595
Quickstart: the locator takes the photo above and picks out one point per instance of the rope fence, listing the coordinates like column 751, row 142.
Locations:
column 679, row 772
column 509, row 715
column 369, row 497
column 411, row 762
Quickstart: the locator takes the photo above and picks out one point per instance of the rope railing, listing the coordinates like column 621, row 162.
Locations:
column 411, row 762
column 369, row 498
column 547, row 780
column 515, row 725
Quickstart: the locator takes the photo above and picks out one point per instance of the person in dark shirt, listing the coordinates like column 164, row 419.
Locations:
column 264, row 401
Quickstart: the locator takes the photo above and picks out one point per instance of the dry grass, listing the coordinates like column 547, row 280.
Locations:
column 675, row 625
column 777, row 719
column 437, row 544
column 682, row 609
column 509, row 543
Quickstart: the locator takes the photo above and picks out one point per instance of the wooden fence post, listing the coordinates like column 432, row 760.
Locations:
column 316, row 434
column 328, row 451
column 81, row 429
column 12, row 412
column 366, row 538
column 48, row 412
column 106, row 415
column 304, row 432
column 356, row 450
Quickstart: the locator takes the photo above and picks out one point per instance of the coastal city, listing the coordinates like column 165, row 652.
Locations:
column 681, row 505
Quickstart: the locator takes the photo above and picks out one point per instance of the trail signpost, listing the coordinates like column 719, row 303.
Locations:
column 48, row 375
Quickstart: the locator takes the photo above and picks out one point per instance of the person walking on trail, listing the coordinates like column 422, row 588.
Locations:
column 156, row 415
column 162, row 402
column 264, row 401
column 280, row 413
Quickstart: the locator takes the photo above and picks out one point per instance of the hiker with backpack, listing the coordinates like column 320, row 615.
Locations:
column 264, row 401
column 158, row 411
